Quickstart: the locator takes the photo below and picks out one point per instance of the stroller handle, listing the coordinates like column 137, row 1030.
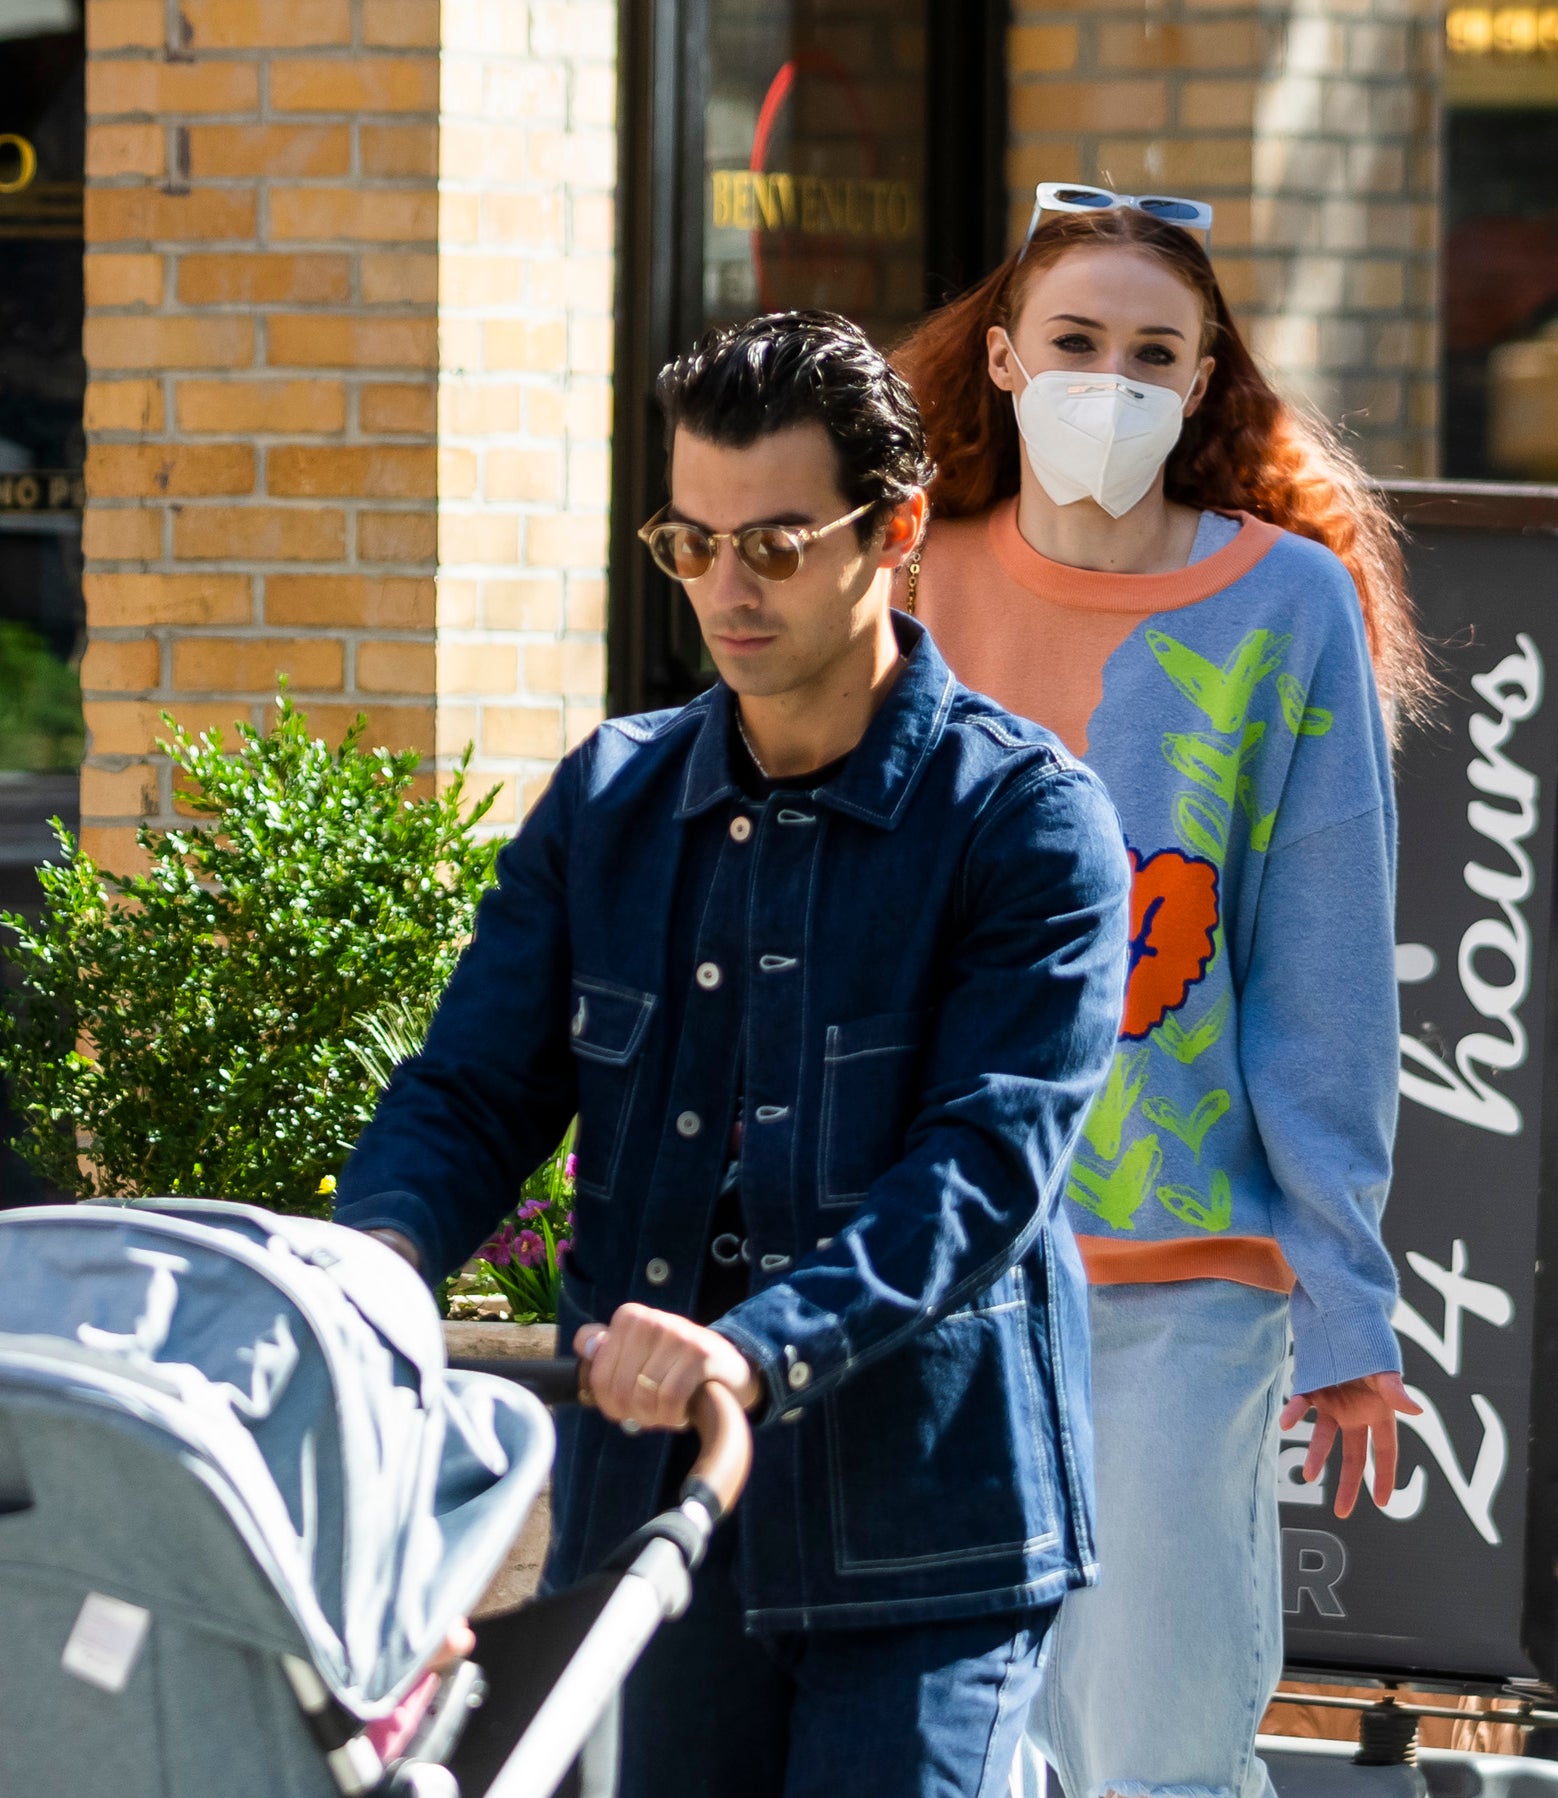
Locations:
column 724, row 1434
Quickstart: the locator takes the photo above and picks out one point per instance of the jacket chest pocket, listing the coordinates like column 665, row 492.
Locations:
column 870, row 1089
column 607, row 1026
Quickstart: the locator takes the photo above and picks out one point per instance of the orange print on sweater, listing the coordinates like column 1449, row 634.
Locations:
column 1173, row 935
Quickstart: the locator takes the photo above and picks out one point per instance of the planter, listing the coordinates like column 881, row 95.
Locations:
column 516, row 1579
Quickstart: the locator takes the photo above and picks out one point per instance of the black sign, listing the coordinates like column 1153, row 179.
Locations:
column 42, row 490
column 1455, row 1578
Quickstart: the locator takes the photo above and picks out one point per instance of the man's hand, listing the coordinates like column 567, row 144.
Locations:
column 1357, row 1411
column 646, row 1365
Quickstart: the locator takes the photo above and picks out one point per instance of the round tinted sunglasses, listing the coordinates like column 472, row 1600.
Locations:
column 1056, row 196
column 773, row 552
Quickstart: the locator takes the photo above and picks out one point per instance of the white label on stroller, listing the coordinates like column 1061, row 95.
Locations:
column 107, row 1638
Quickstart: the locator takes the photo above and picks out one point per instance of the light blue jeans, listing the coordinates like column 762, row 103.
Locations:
column 1156, row 1679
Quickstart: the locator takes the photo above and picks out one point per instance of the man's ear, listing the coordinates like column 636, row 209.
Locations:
column 905, row 528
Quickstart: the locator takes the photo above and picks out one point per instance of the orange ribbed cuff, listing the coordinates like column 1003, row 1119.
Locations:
column 1246, row 1260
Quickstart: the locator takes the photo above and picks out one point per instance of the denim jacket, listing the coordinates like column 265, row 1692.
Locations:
column 914, row 976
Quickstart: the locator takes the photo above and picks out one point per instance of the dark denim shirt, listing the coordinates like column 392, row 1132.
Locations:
column 917, row 971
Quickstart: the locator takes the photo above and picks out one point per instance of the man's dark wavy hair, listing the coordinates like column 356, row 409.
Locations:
column 746, row 381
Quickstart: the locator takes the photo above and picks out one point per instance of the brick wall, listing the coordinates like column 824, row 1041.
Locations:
column 285, row 474
column 1311, row 125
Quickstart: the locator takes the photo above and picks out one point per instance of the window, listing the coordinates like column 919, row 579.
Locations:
column 845, row 154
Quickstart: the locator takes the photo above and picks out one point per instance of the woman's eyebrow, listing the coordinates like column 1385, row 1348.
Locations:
column 1092, row 324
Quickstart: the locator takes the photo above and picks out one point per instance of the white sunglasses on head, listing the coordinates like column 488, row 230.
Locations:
column 1060, row 196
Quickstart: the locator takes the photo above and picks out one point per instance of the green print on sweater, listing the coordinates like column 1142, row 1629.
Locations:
column 1106, row 1117
column 1223, row 693
column 1220, row 769
column 1117, row 1196
column 1191, row 1130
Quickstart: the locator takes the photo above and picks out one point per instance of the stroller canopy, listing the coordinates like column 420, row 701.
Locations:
column 294, row 1370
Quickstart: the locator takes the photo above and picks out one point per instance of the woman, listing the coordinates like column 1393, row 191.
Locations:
column 1139, row 544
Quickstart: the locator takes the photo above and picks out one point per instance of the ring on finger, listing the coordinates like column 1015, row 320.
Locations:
column 648, row 1384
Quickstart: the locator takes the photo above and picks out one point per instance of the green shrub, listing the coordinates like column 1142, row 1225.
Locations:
column 40, row 705
column 191, row 1029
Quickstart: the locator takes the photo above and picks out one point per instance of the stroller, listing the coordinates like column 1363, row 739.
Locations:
column 243, row 1501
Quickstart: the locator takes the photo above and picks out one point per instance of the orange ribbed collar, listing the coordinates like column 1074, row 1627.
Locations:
column 1099, row 591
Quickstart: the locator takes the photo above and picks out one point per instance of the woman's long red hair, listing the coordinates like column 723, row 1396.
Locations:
column 1244, row 449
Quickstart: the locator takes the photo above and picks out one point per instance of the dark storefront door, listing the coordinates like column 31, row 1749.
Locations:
column 846, row 154
column 42, row 131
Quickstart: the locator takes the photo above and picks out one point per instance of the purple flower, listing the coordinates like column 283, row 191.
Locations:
column 498, row 1250
column 571, row 1168
column 530, row 1251
column 532, row 1208
column 561, row 1249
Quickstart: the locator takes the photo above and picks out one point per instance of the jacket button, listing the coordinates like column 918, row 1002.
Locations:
column 709, row 975
column 657, row 1272
column 740, row 829
column 799, row 1376
column 688, row 1124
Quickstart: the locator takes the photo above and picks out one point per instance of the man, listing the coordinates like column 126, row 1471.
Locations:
column 829, row 963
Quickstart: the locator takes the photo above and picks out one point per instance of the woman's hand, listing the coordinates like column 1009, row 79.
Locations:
column 646, row 1365
column 1359, row 1411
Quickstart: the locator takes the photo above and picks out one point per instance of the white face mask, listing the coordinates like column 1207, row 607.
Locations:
column 1097, row 437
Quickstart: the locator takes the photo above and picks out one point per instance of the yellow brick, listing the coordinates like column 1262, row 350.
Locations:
column 1089, row 105
column 267, row 24
column 255, row 664
column 477, row 668
column 397, row 536
column 390, row 726
column 589, row 475
column 126, row 25
column 395, row 667
column 350, row 601
column 1178, row 165
column 586, row 604
column 249, row 279
column 483, row 408
column 1154, row 46
column 123, row 406
column 477, row 537
column 582, row 719
column 528, row 730
column 123, row 280
column 574, row 667
column 133, row 666
column 566, row 540
column 224, row 151
column 528, row 605
column 587, row 411
column 388, row 471
column 158, row 89
column 591, row 346
column 517, row 343
column 389, row 150
column 1032, row 49
column 482, row 280
column 366, row 84
column 457, row 603
column 594, row 223
column 401, row 278
column 133, row 470
column 114, row 849
column 401, row 25
column 353, row 214
column 1218, row 105
column 117, row 600
column 130, row 342
column 122, row 533
column 327, row 341
column 456, row 727
column 119, row 792
column 456, row 473
column 230, row 407
column 259, row 534
column 140, row 214
column 535, row 475
column 399, row 406
column 125, row 150
column 135, row 727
